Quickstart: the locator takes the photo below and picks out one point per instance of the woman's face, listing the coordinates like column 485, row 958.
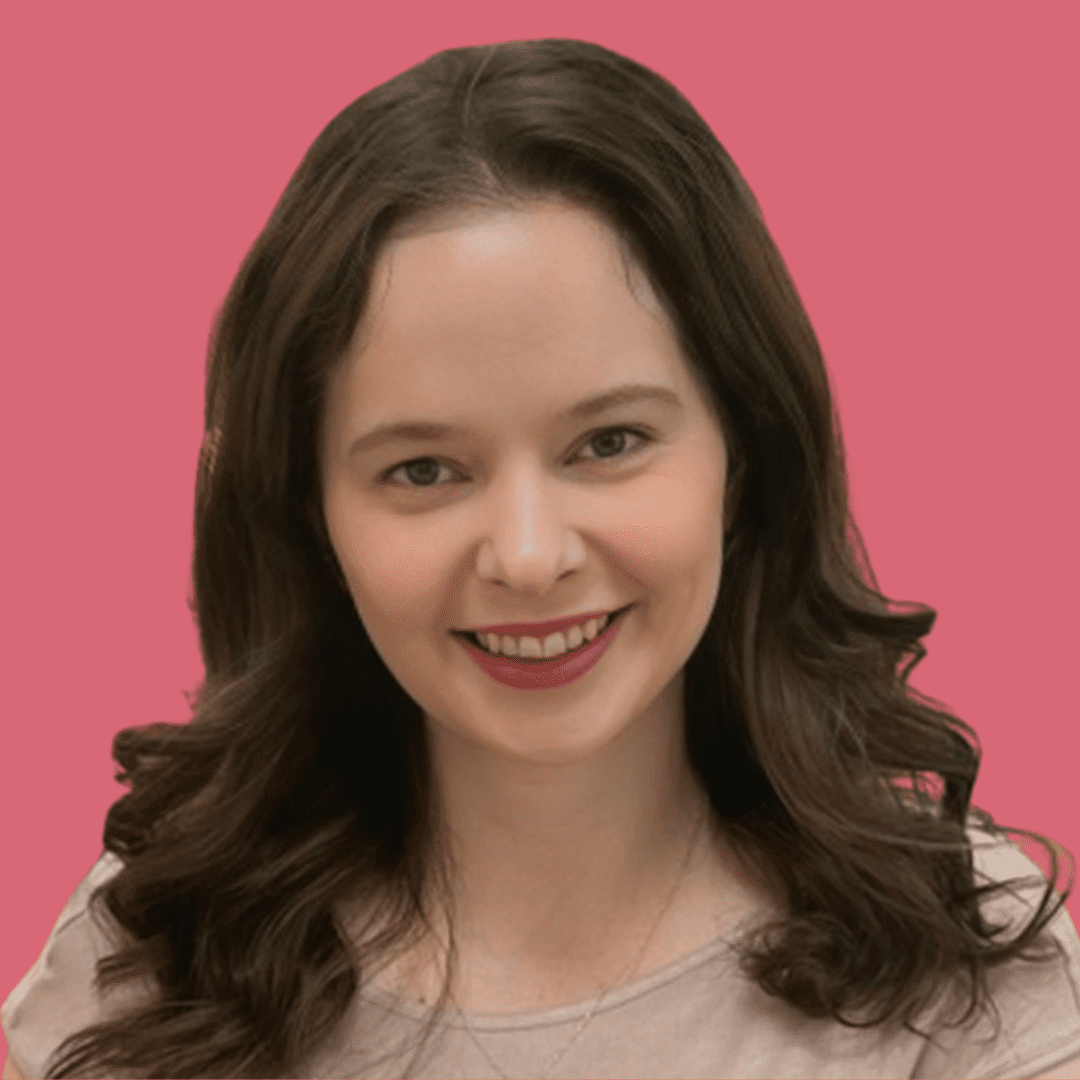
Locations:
column 517, row 506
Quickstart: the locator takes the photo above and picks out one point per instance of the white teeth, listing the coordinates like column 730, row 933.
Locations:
column 529, row 647
column 552, row 645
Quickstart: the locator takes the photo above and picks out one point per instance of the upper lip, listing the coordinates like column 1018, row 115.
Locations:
column 539, row 629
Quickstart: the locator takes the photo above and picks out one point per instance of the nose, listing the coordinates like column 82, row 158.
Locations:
column 530, row 540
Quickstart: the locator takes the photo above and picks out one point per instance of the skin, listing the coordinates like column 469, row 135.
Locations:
column 569, row 811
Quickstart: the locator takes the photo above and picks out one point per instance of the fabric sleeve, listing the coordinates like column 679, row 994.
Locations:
column 1038, row 1004
column 56, row 997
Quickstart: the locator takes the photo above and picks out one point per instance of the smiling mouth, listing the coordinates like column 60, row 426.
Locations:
column 472, row 638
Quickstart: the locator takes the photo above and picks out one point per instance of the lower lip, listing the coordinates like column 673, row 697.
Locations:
column 545, row 674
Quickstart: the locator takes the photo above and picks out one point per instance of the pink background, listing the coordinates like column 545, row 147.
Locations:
column 916, row 162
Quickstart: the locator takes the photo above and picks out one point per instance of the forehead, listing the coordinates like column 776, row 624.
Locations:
column 551, row 283
column 549, row 244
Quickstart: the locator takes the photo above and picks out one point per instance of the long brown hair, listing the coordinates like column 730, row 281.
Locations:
column 304, row 777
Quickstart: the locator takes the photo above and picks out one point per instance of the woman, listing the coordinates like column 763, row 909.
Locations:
column 551, row 726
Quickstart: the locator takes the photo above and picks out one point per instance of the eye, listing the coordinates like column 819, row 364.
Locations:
column 421, row 472
column 609, row 445
column 610, row 442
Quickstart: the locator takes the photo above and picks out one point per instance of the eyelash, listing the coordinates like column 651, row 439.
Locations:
column 644, row 438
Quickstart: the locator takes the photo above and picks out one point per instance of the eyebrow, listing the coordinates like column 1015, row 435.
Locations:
column 429, row 431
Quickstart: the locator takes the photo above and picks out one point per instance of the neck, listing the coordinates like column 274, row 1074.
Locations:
column 567, row 858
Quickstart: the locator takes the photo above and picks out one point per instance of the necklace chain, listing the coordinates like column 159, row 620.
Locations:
column 596, row 1004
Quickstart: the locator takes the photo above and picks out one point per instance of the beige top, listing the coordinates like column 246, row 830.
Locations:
column 696, row 1017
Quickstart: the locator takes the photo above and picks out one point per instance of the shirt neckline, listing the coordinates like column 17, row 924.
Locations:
column 720, row 948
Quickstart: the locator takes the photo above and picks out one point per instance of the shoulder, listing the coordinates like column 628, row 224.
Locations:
column 1036, row 1003
column 11, row 1071
column 57, row 996
column 1070, row 1070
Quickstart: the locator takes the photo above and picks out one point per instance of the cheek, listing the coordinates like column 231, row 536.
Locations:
column 669, row 529
column 392, row 573
column 672, row 546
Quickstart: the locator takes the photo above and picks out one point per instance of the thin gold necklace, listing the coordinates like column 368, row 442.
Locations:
column 596, row 1004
